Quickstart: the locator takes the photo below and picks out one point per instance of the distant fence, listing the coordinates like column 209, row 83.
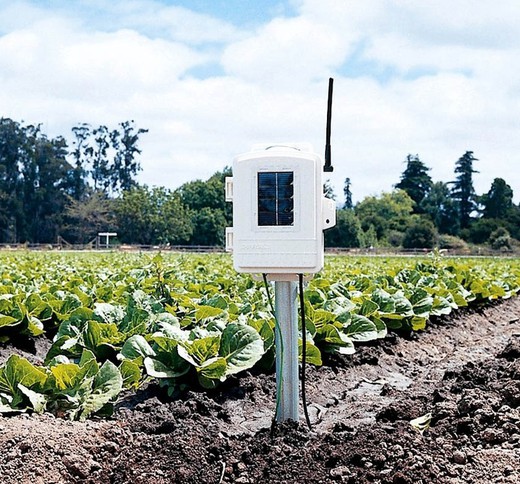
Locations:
column 373, row 251
column 388, row 251
column 113, row 247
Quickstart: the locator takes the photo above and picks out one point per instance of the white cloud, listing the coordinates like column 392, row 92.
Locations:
column 286, row 52
column 51, row 70
column 433, row 78
column 127, row 58
column 154, row 18
column 480, row 24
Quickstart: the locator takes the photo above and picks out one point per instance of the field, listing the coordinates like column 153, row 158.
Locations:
column 122, row 368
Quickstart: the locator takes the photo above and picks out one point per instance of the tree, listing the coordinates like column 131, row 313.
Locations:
column 37, row 181
column 34, row 182
column 86, row 218
column 46, row 188
column 198, row 194
column 500, row 239
column 97, row 152
column 348, row 205
column 150, row 216
column 209, row 227
column 346, row 233
column 462, row 190
column 390, row 211
column 498, row 201
column 441, row 209
column 211, row 214
column 420, row 234
column 107, row 159
column 415, row 181
column 480, row 230
column 126, row 167
column 79, row 173
column 513, row 221
column 13, row 151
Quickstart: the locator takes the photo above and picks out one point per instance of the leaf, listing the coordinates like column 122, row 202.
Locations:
column 217, row 301
column 329, row 333
column 172, row 331
column 206, row 312
column 102, row 338
column 422, row 423
column 38, row 400
column 64, row 307
column 131, row 374
column 136, row 346
column 441, row 306
column 37, row 307
column 34, row 326
column 418, row 323
column 198, row 351
column 336, row 340
column 167, row 363
column 85, row 299
column 207, row 383
column 319, row 316
column 18, row 370
column 57, row 360
column 76, row 322
column 241, row 346
column 341, row 307
column 361, row 329
column 403, row 307
column 65, row 345
column 312, row 354
column 394, row 323
column 86, row 356
column 96, row 333
column 108, row 312
column 213, row 369
column 344, row 350
column 88, row 363
column 6, row 320
column 461, row 296
column 380, row 327
column 266, row 332
column 165, row 321
column 422, row 303
column 315, row 296
column 106, row 386
column 158, row 369
column 67, row 377
column 368, row 307
column 64, row 376
column 321, row 283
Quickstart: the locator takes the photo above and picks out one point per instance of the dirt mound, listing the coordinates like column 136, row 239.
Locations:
column 464, row 372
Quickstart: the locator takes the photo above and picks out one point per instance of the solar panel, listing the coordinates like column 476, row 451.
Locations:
column 275, row 198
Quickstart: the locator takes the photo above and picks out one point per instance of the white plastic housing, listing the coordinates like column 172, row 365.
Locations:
column 287, row 236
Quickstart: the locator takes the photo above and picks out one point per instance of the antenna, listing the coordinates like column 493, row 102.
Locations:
column 328, row 166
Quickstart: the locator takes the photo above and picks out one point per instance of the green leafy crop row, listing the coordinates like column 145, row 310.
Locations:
column 117, row 320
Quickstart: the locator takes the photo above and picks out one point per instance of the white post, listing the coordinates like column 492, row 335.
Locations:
column 287, row 379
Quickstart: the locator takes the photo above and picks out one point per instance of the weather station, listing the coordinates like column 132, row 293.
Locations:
column 279, row 215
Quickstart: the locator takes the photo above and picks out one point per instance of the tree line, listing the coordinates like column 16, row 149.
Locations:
column 49, row 189
column 421, row 213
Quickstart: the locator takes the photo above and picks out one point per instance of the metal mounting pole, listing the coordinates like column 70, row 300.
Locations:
column 286, row 351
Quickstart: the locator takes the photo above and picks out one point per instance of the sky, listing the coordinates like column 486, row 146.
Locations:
column 211, row 78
